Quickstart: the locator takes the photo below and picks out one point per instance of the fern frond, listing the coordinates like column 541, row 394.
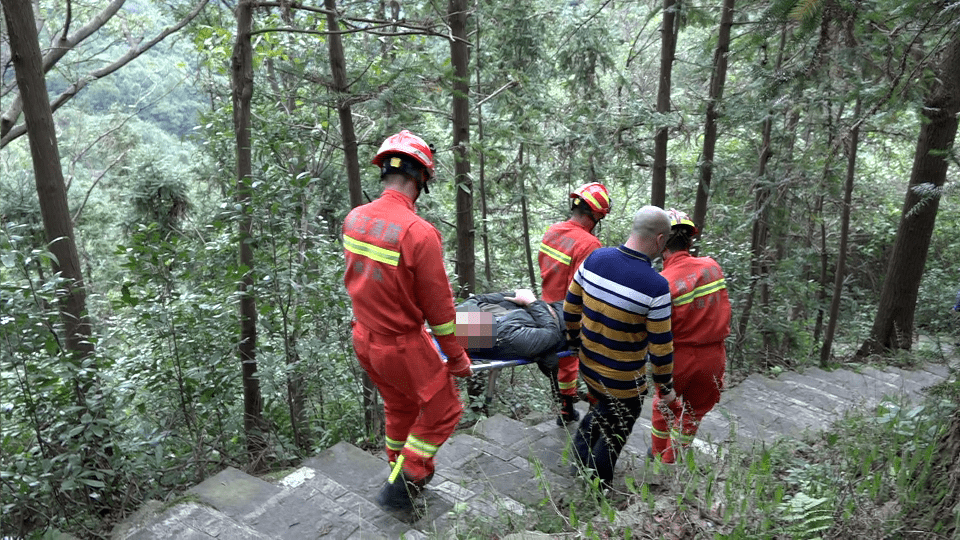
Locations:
column 806, row 10
column 808, row 516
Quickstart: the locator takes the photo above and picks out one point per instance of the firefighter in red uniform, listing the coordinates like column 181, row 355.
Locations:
column 564, row 246
column 396, row 281
column 701, row 322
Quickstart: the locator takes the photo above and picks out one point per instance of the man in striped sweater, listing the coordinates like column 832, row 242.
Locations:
column 617, row 311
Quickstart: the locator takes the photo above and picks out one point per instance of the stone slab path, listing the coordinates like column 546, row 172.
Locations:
column 501, row 468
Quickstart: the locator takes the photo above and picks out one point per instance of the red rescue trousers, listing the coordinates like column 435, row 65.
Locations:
column 697, row 380
column 420, row 400
column 568, row 367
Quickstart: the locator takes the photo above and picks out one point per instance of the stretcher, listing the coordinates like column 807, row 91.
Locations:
column 494, row 366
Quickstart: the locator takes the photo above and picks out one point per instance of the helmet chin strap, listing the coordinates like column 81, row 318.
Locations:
column 422, row 183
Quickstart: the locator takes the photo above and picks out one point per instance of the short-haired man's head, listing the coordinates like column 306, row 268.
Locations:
column 475, row 329
column 649, row 222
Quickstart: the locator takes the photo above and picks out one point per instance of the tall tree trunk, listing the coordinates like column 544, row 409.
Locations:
column 844, row 237
column 460, row 58
column 338, row 67
column 893, row 325
column 485, row 238
column 242, row 77
column 668, row 46
column 782, row 242
column 718, row 79
column 759, row 258
column 372, row 412
column 525, row 218
column 51, row 189
column 822, row 189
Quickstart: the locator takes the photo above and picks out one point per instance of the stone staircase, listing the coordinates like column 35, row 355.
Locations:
column 501, row 469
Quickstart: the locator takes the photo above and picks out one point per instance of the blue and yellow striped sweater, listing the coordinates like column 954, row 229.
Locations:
column 620, row 307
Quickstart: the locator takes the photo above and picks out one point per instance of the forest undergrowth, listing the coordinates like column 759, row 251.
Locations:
column 868, row 476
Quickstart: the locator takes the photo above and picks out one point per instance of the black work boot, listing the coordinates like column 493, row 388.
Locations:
column 567, row 413
column 398, row 496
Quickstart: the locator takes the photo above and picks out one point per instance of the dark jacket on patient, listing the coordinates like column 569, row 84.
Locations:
column 521, row 331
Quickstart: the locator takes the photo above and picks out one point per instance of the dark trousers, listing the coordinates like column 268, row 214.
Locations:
column 603, row 433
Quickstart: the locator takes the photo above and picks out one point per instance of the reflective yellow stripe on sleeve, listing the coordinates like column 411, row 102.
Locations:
column 371, row 251
column 444, row 329
column 700, row 291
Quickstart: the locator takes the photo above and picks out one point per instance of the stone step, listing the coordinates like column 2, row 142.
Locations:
column 821, row 385
column 501, row 467
column 186, row 520
column 926, row 376
column 865, row 388
column 358, row 477
column 317, row 506
column 906, row 385
column 815, row 397
column 762, row 414
column 940, row 371
column 545, row 443
column 305, row 504
column 482, row 466
column 234, row 492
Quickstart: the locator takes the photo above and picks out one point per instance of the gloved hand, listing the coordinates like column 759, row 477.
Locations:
column 573, row 344
column 461, row 366
column 668, row 398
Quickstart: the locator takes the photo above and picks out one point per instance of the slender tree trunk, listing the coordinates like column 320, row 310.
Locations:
column 844, row 238
column 460, row 58
column 718, row 79
column 821, row 296
column 525, row 218
column 339, row 70
column 242, row 76
column 782, row 242
column 372, row 412
column 485, row 238
column 668, row 46
column 893, row 326
column 51, row 189
column 759, row 259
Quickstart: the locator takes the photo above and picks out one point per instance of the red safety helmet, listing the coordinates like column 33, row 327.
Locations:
column 678, row 219
column 595, row 195
column 407, row 144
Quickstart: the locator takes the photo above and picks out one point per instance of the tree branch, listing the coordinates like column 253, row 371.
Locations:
column 9, row 119
column 58, row 49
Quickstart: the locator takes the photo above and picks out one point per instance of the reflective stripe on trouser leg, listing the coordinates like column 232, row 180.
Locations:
column 662, row 419
column 660, row 444
column 393, row 449
column 417, row 456
column 437, row 421
column 568, row 368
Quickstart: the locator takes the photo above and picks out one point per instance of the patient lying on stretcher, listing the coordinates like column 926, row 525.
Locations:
column 511, row 324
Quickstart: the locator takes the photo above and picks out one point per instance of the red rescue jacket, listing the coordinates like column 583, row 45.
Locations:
column 701, row 306
column 564, row 247
column 395, row 275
